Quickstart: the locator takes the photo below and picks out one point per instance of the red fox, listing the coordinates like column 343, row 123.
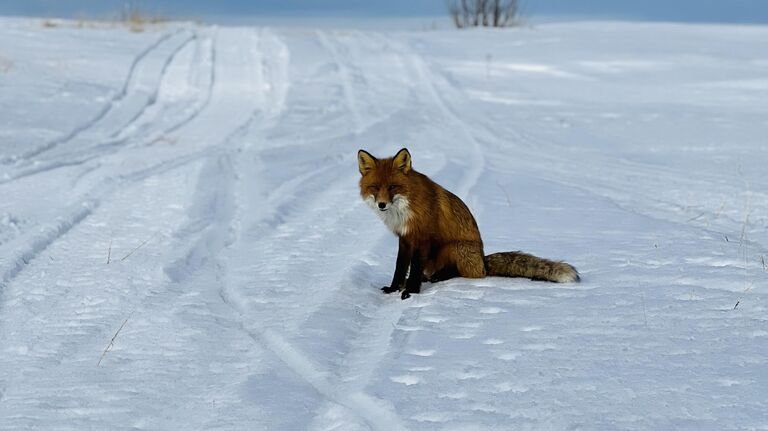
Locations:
column 439, row 238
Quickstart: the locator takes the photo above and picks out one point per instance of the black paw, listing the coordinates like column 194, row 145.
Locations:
column 389, row 289
column 405, row 295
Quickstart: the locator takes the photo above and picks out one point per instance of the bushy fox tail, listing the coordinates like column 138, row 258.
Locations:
column 519, row 264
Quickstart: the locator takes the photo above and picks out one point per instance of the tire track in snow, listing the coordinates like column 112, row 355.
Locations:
column 215, row 194
column 215, row 233
column 287, row 206
column 624, row 173
column 141, row 131
column 558, row 155
column 152, row 99
column 11, row 265
column 96, row 197
column 372, row 342
column 346, row 83
column 428, row 79
column 373, row 337
column 100, row 150
column 209, row 93
column 115, row 101
column 67, row 350
column 365, row 406
column 217, row 157
column 67, row 224
column 222, row 158
column 375, row 412
column 343, row 48
column 550, row 153
column 30, row 246
column 280, row 204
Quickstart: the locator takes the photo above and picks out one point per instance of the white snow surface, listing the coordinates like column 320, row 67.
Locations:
column 183, row 245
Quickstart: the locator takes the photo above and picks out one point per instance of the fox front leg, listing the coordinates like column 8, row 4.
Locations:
column 401, row 268
column 413, row 284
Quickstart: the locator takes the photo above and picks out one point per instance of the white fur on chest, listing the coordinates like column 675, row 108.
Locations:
column 396, row 216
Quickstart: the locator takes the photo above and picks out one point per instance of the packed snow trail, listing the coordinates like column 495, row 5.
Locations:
column 182, row 244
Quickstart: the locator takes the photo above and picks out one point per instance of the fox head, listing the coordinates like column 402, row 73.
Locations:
column 384, row 187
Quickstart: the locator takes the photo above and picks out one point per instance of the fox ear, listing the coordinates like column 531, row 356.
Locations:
column 402, row 160
column 365, row 162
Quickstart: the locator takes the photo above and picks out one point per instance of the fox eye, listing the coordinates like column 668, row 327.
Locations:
column 373, row 187
column 394, row 187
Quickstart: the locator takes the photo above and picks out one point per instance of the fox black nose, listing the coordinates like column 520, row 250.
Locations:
column 382, row 205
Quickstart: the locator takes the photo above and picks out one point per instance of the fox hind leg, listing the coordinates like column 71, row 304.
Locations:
column 445, row 273
column 460, row 259
column 469, row 259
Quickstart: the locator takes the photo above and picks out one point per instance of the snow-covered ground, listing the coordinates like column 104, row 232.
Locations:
column 183, row 246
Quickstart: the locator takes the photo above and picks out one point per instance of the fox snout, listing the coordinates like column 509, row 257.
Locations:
column 383, row 206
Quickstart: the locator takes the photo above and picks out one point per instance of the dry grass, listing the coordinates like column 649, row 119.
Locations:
column 132, row 16
column 137, row 18
column 138, row 23
column 743, row 240
column 138, row 247
column 112, row 341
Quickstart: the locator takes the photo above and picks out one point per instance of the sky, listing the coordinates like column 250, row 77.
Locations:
column 726, row 11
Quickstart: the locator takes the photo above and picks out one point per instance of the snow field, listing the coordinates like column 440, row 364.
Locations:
column 191, row 194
